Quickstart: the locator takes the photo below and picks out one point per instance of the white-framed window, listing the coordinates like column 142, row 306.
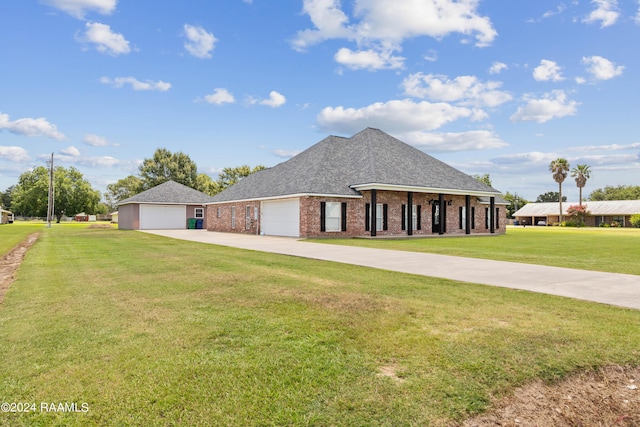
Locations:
column 199, row 213
column 379, row 216
column 414, row 217
column 247, row 218
column 233, row 217
column 333, row 216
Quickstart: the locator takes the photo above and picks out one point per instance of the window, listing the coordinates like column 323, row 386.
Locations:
column 247, row 218
column 415, row 215
column 487, row 217
column 219, row 211
column 199, row 213
column 463, row 217
column 233, row 217
column 333, row 216
column 381, row 217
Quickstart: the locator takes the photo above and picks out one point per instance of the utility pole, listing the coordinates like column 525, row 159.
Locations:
column 50, row 205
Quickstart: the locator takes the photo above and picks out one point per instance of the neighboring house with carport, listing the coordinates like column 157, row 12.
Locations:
column 166, row 206
column 600, row 212
column 6, row 217
column 368, row 185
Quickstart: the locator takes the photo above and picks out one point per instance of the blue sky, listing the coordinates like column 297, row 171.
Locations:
column 489, row 87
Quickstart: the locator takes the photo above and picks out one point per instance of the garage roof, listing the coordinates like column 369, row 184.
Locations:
column 169, row 192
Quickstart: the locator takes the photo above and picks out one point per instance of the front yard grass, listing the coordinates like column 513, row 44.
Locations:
column 147, row 330
column 601, row 249
column 13, row 234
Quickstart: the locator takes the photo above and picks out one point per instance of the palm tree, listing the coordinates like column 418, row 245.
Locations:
column 581, row 173
column 559, row 167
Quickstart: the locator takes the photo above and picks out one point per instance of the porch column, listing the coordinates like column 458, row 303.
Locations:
column 492, row 210
column 374, row 211
column 467, row 216
column 443, row 216
column 410, row 213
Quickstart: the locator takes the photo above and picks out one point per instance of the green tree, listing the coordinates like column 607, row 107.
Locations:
column 73, row 194
column 485, row 179
column 620, row 192
column 5, row 198
column 515, row 202
column 122, row 189
column 230, row 176
column 581, row 173
column 165, row 166
column 549, row 197
column 559, row 168
column 207, row 185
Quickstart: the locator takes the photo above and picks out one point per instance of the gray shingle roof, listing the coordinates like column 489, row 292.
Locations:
column 169, row 192
column 336, row 164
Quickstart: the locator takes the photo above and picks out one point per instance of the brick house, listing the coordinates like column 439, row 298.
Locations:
column 368, row 185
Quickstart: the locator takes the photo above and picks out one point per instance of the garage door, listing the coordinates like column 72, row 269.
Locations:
column 160, row 217
column 281, row 217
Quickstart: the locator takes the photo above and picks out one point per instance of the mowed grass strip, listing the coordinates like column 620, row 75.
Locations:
column 152, row 331
column 611, row 250
column 12, row 235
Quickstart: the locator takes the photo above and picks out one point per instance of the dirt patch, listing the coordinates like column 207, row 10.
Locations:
column 606, row 397
column 100, row 226
column 10, row 262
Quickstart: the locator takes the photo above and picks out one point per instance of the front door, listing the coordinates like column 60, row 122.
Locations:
column 435, row 217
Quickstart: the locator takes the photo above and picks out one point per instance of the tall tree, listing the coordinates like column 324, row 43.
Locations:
column 515, row 203
column 207, row 185
column 73, row 194
column 559, row 168
column 165, row 166
column 230, row 176
column 5, row 198
column 485, row 179
column 620, row 192
column 581, row 173
column 122, row 189
column 550, row 196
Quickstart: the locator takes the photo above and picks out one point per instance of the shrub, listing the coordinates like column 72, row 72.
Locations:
column 635, row 220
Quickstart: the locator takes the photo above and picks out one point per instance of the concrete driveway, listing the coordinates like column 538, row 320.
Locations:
column 608, row 288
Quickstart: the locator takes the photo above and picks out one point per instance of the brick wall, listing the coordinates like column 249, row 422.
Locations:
column 219, row 217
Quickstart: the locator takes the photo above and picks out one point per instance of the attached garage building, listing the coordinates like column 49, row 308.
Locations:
column 164, row 207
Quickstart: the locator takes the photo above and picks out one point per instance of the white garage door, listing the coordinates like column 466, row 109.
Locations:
column 281, row 217
column 160, row 217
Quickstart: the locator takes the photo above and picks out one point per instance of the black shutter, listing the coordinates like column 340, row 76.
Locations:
column 419, row 217
column 344, row 216
column 323, row 216
column 385, row 223
column 460, row 217
column 404, row 217
column 497, row 217
column 473, row 217
column 486, row 217
column 367, row 217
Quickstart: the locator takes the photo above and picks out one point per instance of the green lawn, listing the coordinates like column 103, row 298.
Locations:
column 146, row 330
column 12, row 234
column 602, row 249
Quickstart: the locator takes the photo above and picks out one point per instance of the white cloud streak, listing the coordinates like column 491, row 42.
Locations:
column 547, row 71
column 275, row 100
column 105, row 40
column 31, row 127
column 136, row 84
column 606, row 12
column 497, row 67
column 601, row 68
column 14, row 154
column 79, row 8
column 200, row 43
column 220, row 96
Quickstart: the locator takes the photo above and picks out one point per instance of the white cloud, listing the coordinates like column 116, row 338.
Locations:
column 97, row 141
column 31, row 127
column 601, row 68
column 136, row 84
column 552, row 105
column 220, row 96
column 606, row 13
column 79, row 8
column 199, row 42
column 533, row 158
column 610, row 147
column 381, row 26
column 275, row 100
column 547, row 70
column 466, row 90
column 14, row 154
column 104, row 39
column 70, row 151
column 396, row 116
column 453, row 141
column 286, row 154
column 497, row 67
column 368, row 59
column 72, row 158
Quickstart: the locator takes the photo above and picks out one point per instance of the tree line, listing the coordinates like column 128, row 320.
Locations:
column 74, row 194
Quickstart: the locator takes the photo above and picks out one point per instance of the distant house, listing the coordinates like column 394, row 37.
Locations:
column 114, row 217
column 602, row 212
column 370, row 184
column 6, row 217
column 167, row 206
